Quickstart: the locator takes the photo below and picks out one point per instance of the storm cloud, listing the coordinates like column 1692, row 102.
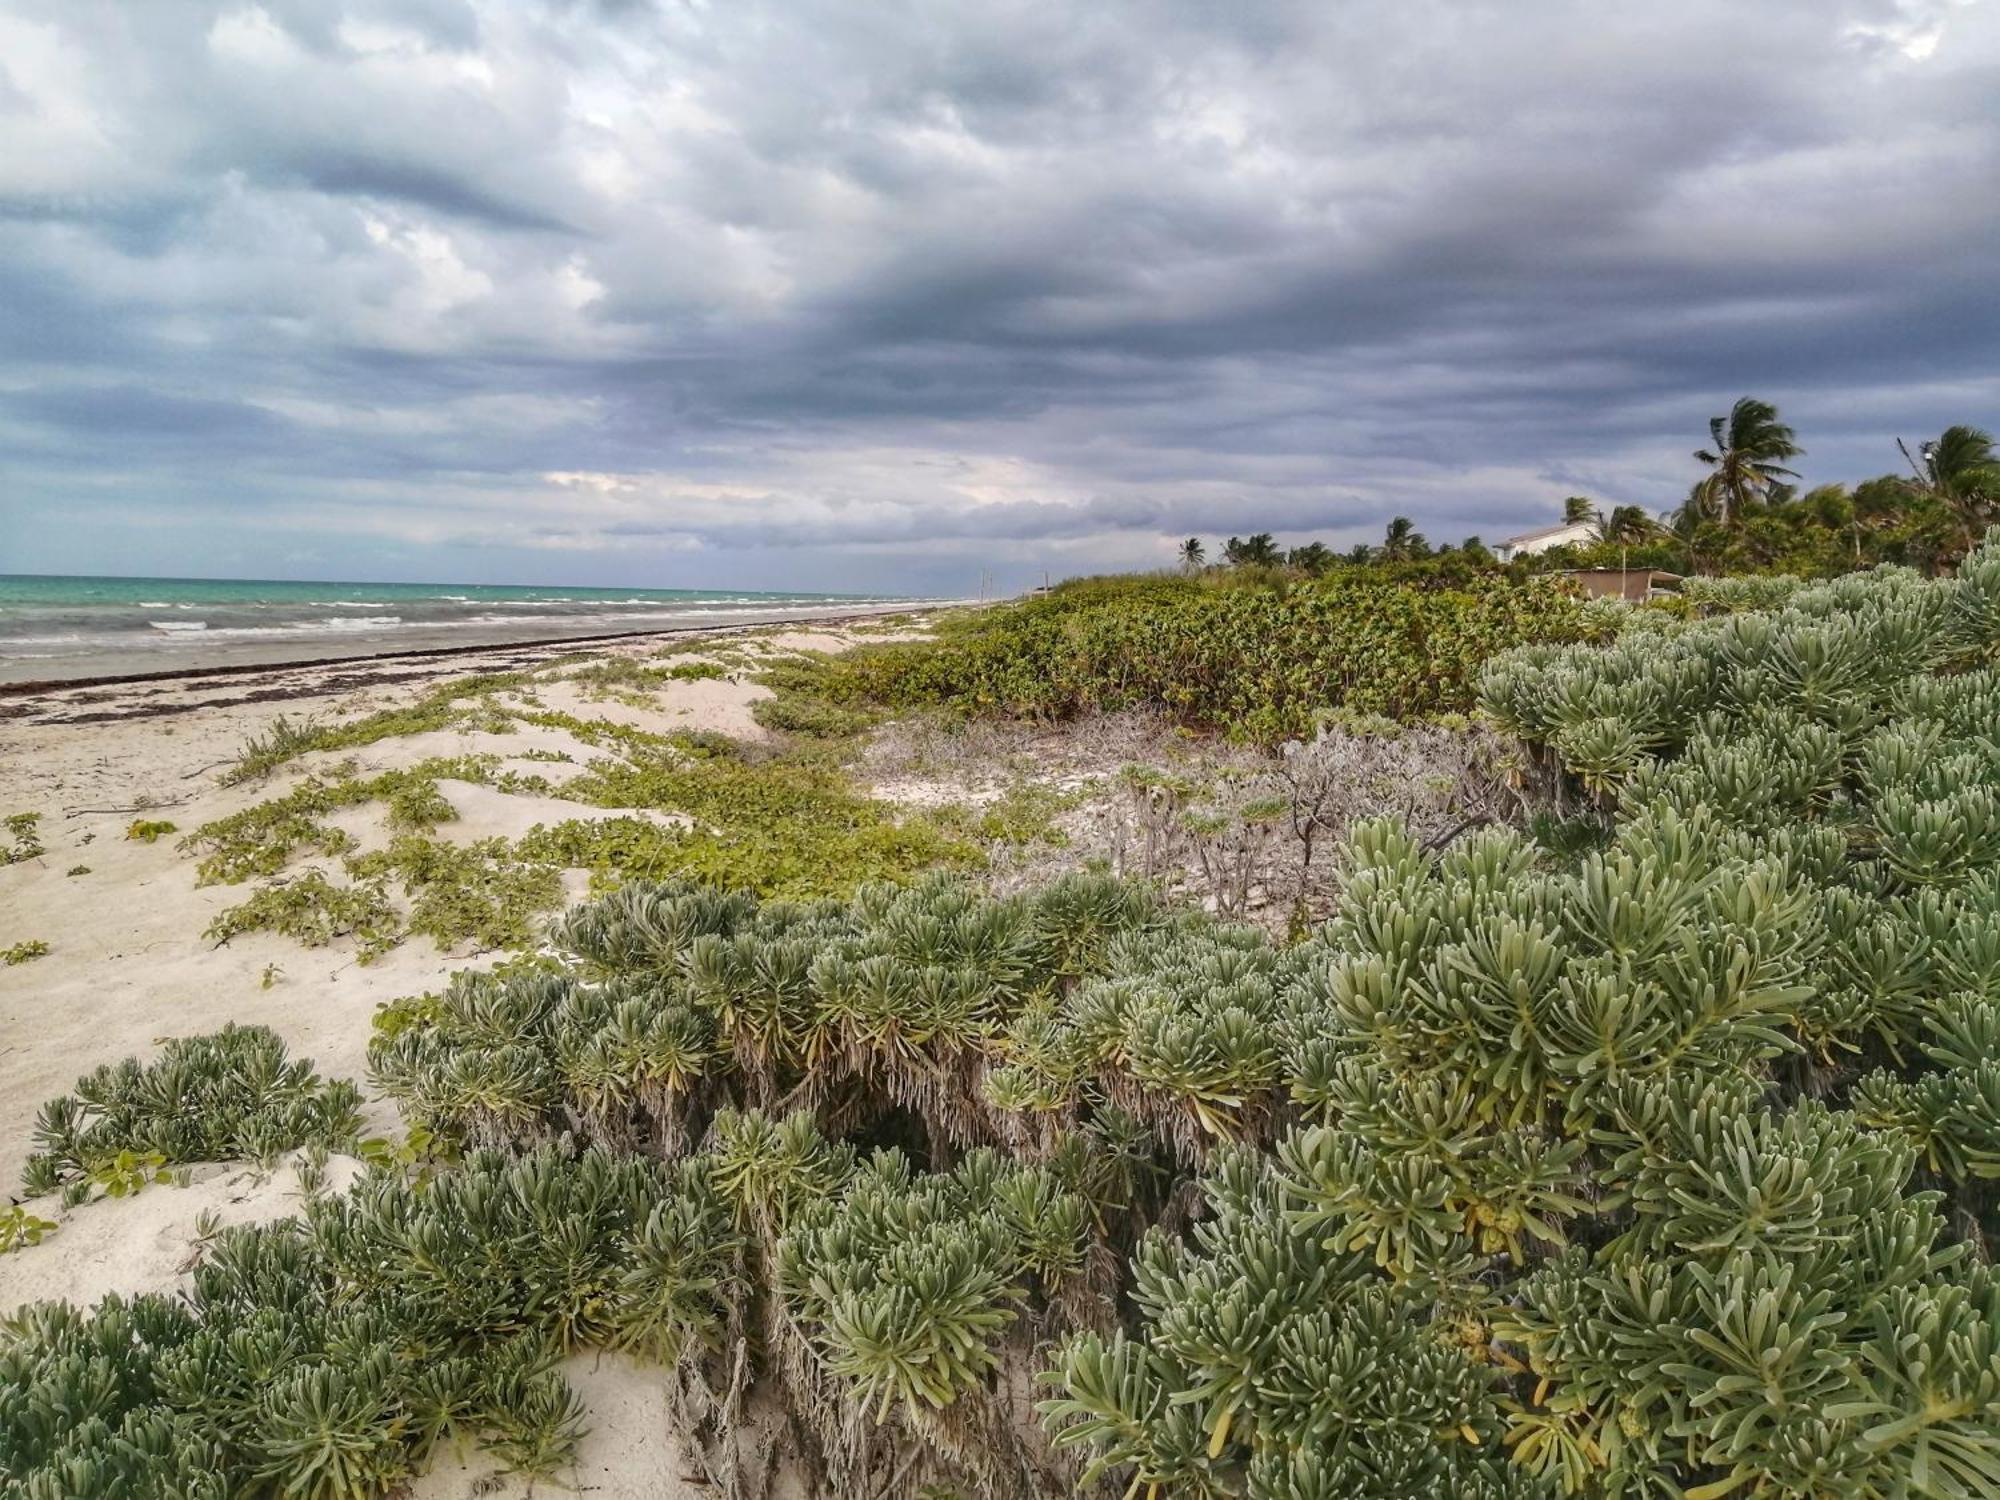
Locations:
column 884, row 295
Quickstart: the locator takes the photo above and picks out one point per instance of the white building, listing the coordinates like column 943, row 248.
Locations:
column 1528, row 543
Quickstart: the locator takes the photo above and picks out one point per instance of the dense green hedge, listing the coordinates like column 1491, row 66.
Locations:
column 1261, row 659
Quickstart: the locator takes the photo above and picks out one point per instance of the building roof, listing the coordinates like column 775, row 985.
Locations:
column 1548, row 531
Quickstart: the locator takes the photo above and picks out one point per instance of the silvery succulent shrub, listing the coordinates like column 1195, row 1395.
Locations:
column 230, row 1094
column 329, row 1356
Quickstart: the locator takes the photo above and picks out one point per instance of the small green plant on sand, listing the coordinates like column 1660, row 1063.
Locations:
column 25, row 952
column 24, row 839
column 75, row 870
column 477, row 893
column 128, row 1171
column 464, row 700
column 149, row 830
column 284, row 738
column 262, row 839
column 314, row 911
column 19, row 1229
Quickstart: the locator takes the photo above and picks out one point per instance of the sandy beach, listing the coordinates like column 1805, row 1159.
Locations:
column 127, row 964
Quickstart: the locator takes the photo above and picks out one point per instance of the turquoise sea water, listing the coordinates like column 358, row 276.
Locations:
column 72, row 626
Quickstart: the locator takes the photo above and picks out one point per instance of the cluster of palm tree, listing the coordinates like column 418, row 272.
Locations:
column 1401, row 542
column 1746, row 513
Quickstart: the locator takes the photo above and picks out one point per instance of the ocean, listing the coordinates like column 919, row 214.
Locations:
column 57, row 627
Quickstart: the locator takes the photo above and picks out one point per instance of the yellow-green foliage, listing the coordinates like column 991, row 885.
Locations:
column 481, row 894
column 774, row 828
column 24, row 839
column 262, row 839
column 19, row 1229
column 24, row 952
column 313, row 910
column 149, row 830
column 1026, row 814
column 1263, row 660
column 456, row 702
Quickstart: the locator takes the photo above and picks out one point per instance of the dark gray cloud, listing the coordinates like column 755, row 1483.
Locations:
column 888, row 294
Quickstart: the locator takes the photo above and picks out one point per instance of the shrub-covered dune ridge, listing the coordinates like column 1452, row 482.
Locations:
column 1262, row 659
column 1663, row 1168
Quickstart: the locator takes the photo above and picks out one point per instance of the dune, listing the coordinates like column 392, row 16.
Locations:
column 128, row 965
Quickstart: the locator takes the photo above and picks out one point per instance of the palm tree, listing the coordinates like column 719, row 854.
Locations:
column 1628, row 525
column 1960, row 471
column 1578, row 509
column 1193, row 555
column 1402, row 541
column 1745, row 463
column 1259, row 551
column 1313, row 559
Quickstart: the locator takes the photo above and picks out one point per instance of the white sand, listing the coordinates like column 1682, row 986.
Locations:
column 632, row 1451
column 147, row 1242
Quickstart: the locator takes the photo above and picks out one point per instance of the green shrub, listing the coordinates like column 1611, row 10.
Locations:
column 695, row 671
column 312, row 910
column 148, row 830
column 1263, row 661
column 479, row 894
column 1588, row 1164
column 812, row 717
column 24, row 952
column 334, row 1356
column 205, row 1098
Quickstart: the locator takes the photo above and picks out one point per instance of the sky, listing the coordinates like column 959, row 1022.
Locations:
column 882, row 295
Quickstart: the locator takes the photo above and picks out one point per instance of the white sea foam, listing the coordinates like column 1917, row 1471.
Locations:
column 293, row 628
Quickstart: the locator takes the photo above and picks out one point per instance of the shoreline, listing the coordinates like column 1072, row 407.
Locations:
column 31, row 687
